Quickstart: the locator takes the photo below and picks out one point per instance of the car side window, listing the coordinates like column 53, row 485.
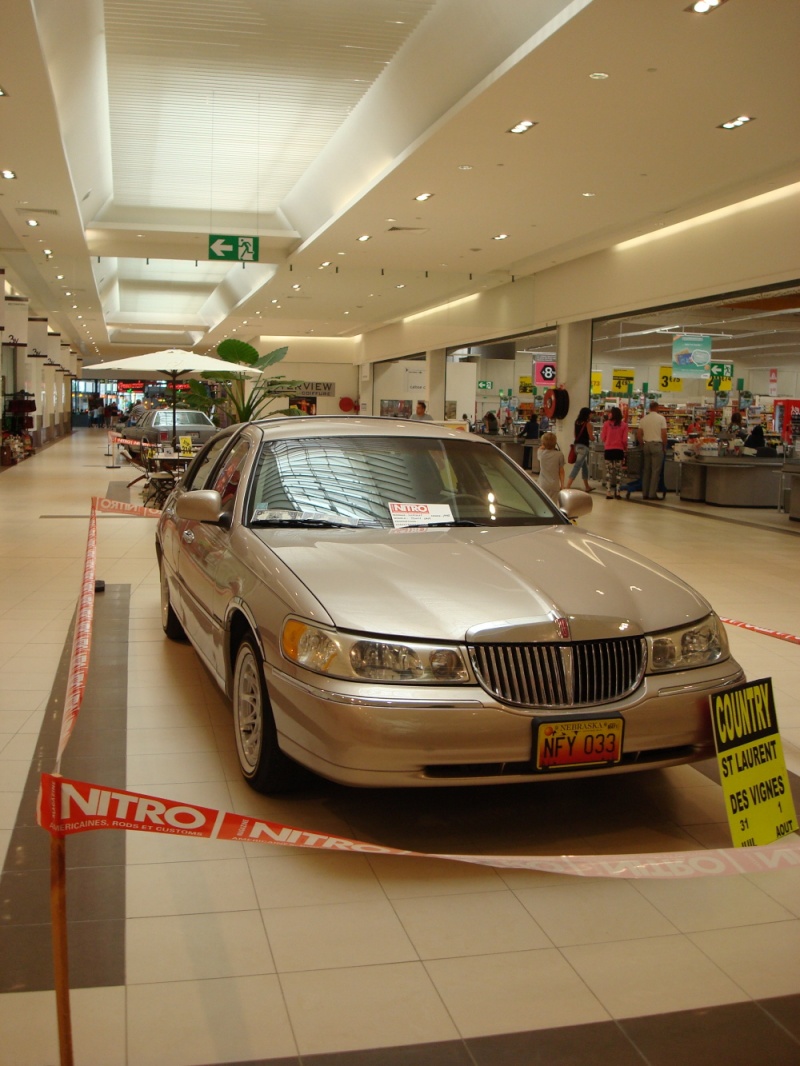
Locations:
column 202, row 470
column 227, row 480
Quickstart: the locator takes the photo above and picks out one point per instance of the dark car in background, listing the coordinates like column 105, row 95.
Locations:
column 155, row 427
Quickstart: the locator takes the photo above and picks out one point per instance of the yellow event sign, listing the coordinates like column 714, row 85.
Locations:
column 751, row 764
column 667, row 381
column 525, row 386
column 597, row 382
column 185, row 445
column 622, row 379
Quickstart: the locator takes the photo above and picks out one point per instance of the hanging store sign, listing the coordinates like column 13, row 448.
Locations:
column 622, row 380
column 238, row 249
column 525, row 387
column 691, row 354
column 667, row 381
column 597, row 382
column 545, row 374
column 751, row 764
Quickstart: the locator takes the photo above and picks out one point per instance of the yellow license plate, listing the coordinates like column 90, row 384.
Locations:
column 578, row 742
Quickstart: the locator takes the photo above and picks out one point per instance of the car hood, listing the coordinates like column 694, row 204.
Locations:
column 485, row 584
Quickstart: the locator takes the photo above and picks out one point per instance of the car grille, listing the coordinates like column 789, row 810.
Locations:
column 560, row 675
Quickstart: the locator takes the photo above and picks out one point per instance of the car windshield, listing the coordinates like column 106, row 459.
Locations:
column 386, row 482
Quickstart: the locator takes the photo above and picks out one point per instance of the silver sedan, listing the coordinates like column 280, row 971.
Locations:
column 389, row 603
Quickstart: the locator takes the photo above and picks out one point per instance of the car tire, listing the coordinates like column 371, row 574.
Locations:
column 264, row 766
column 169, row 620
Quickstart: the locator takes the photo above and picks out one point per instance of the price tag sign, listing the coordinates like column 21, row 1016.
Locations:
column 622, row 380
column 667, row 381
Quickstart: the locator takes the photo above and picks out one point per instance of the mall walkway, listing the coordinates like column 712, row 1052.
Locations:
column 188, row 952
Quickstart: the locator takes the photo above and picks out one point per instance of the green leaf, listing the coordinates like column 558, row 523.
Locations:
column 236, row 351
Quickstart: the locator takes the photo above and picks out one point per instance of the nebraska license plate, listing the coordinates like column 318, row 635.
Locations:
column 578, row 742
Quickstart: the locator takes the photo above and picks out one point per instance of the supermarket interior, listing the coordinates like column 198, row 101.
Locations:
column 451, row 211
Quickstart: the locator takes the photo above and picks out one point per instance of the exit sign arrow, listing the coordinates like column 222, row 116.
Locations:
column 220, row 248
column 238, row 249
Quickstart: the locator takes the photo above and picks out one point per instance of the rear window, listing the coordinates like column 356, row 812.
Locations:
column 182, row 418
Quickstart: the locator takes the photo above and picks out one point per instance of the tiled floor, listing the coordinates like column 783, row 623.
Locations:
column 187, row 952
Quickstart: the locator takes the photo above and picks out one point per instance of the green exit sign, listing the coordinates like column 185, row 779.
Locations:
column 485, row 384
column 237, row 249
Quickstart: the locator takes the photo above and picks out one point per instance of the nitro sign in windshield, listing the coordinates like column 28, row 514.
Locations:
column 751, row 764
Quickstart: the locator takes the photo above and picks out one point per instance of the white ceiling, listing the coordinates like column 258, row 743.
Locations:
column 137, row 128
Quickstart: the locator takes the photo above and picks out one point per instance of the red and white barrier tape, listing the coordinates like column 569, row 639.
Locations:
column 759, row 629
column 67, row 806
column 82, row 636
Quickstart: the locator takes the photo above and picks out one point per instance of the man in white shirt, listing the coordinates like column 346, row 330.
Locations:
column 652, row 436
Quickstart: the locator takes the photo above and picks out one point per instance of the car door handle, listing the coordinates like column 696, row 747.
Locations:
column 188, row 536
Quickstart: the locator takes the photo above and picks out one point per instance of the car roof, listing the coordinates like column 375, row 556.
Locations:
column 288, row 428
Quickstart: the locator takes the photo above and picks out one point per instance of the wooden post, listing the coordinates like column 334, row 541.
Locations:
column 58, row 919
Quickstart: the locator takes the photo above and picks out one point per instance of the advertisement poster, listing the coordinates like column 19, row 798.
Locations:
column 691, row 354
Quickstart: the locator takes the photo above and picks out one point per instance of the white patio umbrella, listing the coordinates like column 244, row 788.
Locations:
column 171, row 364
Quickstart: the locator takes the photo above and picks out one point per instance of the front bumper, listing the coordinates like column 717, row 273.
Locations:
column 376, row 735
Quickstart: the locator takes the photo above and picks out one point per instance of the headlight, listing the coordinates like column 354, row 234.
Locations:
column 699, row 644
column 326, row 651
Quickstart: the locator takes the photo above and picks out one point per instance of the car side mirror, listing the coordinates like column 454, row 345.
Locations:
column 574, row 502
column 202, row 505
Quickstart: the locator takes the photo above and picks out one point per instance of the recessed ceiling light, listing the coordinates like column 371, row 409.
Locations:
column 424, row 196
column 60, row 277
column 400, row 286
column 598, row 75
column 8, row 174
column 32, row 222
column 702, row 7
column 464, row 166
column 734, row 123
column 295, row 286
column 588, row 195
column 500, row 237
column 523, row 127
column 364, row 237
column 347, row 312
column 327, row 263
column 2, row 91
column 48, row 251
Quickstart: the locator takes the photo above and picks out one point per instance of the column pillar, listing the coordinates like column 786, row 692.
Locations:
column 37, row 354
column 436, row 365
column 574, row 347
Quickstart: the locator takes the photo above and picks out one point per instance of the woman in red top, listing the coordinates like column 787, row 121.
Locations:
column 614, row 436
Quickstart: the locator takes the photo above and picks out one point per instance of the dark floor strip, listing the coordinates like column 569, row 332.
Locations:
column 95, row 860
column 737, row 1034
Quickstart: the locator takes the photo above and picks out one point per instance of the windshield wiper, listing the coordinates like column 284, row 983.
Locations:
column 439, row 525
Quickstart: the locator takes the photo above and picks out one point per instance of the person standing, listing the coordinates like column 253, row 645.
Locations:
column 583, row 441
column 551, row 467
column 421, row 414
column 614, row 436
column 491, row 424
column 529, row 435
column 651, row 434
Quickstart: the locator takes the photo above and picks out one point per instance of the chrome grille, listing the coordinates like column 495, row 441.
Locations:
column 560, row 675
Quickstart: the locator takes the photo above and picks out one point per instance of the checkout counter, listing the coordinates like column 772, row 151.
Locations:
column 733, row 481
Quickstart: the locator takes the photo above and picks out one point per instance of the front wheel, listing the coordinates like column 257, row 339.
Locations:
column 264, row 766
